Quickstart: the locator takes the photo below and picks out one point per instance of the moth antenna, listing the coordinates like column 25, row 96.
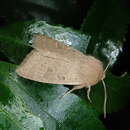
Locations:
column 88, row 93
column 105, row 98
column 107, row 66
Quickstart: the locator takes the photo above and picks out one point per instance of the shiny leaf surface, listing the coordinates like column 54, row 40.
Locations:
column 35, row 105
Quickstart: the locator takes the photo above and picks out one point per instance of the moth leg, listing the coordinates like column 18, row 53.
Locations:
column 74, row 88
column 88, row 93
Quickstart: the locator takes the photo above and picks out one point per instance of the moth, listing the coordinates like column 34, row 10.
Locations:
column 54, row 62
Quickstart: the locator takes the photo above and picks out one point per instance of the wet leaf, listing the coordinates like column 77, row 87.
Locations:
column 40, row 103
column 118, row 90
column 36, row 105
column 80, row 42
column 107, row 23
column 14, row 41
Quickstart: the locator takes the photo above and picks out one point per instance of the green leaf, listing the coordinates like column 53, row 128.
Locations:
column 17, row 107
column 73, row 38
column 14, row 40
column 35, row 105
column 106, row 21
column 26, row 104
column 22, row 37
column 118, row 90
column 45, row 96
column 6, row 123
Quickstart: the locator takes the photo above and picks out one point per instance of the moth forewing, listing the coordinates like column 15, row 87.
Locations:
column 55, row 49
column 48, row 70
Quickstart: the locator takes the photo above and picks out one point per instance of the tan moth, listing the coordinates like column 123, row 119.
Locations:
column 54, row 62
